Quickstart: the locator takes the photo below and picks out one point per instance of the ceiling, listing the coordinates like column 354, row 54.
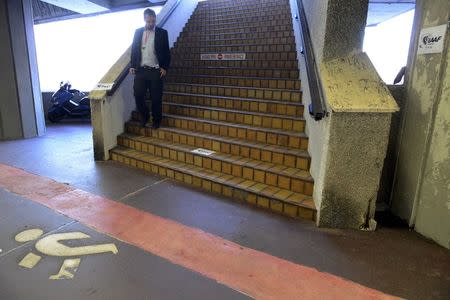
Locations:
column 54, row 10
column 383, row 10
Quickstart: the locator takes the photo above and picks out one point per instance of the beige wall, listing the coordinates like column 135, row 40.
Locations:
column 421, row 187
column 433, row 210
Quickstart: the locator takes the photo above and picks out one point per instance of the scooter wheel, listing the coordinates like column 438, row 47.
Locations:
column 55, row 116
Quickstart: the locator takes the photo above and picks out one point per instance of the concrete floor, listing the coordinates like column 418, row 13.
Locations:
column 393, row 260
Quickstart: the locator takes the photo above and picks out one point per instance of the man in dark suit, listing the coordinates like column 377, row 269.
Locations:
column 150, row 60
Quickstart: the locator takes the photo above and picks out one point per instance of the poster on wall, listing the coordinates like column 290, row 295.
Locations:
column 431, row 39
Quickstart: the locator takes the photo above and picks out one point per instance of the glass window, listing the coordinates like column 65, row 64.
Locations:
column 82, row 50
column 387, row 44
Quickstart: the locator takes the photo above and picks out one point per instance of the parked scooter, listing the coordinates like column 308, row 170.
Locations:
column 65, row 105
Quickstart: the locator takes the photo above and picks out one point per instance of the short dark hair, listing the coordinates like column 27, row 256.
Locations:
column 149, row 12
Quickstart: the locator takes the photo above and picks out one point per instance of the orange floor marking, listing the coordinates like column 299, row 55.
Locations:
column 252, row 272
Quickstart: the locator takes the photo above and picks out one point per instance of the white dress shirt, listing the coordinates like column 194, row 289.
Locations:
column 149, row 58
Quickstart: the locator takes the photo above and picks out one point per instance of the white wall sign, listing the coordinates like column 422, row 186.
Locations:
column 431, row 39
column 203, row 151
column 222, row 56
column 103, row 86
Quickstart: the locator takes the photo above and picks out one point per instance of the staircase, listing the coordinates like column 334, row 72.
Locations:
column 247, row 113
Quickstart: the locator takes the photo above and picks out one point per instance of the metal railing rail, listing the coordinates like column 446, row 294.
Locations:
column 317, row 108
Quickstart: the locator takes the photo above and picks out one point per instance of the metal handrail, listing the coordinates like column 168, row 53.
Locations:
column 125, row 72
column 317, row 108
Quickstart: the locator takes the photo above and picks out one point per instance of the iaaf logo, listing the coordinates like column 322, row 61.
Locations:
column 432, row 39
column 427, row 40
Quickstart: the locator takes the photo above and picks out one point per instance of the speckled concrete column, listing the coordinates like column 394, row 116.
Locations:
column 356, row 140
column 348, row 147
column 356, row 151
column 336, row 26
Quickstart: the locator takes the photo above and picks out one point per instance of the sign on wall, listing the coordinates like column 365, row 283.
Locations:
column 431, row 39
column 222, row 56
column 103, row 86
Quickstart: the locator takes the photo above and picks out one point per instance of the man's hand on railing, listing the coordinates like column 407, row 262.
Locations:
column 132, row 71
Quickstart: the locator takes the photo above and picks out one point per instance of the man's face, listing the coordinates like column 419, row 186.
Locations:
column 150, row 21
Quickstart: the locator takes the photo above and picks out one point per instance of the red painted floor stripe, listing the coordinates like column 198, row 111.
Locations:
column 255, row 273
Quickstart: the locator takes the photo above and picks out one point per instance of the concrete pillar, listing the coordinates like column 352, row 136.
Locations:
column 422, row 180
column 21, row 113
column 337, row 26
column 348, row 147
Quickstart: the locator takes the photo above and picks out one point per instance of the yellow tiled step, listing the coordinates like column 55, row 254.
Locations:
column 216, row 3
column 190, row 47
column 250, row 5
column 239, row 36
column 252, row 27
column 230, row 71
column 235, row 116
column 249, row 133
column 243, row 104
column 289, row 178
column 249, row 29
column 266, row 56
column 239, row 81
column 201, row 26
column 233, row 91
column 287, row 156
column 229, row 20
column 259, row 64
column 197, row 41
column 268, row 10
column 279, row 200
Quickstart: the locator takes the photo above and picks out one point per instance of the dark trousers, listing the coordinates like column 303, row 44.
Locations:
column 148, row 79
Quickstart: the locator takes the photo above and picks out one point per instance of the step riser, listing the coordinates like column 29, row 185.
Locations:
column 197, row 42
column 237, row 104
column 254, row 5
column 231, row 36
column 190, row 48
column 255, row 29
column 214, row 4
column 229, row 20
column 238, row 118
column 235, row 148
column 264, row 94
column 225, row 167
column 267, row 73
column 282, row 64
column 232, row 131
column 265, row 56
column 227, row 190
column 205, row 26
column 262, row 11
column 238, row 82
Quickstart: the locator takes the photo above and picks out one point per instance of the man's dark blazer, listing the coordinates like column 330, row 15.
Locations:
column 161, row 48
